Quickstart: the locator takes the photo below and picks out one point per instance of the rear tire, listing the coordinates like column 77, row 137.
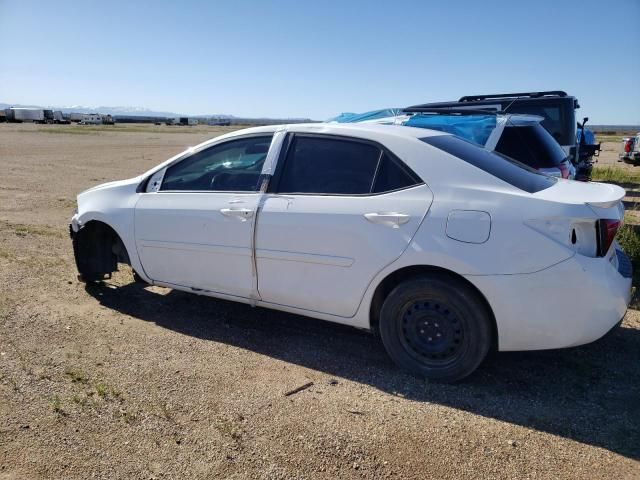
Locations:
column 436, row 327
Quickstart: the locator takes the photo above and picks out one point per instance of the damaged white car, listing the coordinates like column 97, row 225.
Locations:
column 444, row 248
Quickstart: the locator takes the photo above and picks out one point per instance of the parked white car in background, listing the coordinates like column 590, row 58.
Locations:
column 443, row 247
column 630, row 150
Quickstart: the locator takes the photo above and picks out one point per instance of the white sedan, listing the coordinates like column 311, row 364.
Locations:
column 445, row 249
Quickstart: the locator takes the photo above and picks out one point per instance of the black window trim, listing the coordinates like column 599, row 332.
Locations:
column 274, row 184
column 142, row 187
column 436, row 141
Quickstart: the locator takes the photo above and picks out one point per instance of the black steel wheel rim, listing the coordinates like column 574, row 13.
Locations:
column 431, row 332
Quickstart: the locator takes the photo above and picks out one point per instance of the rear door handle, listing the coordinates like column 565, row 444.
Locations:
column 392, row 219
column 241, row 213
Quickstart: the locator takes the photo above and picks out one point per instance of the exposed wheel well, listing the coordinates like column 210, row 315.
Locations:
column 394, row 279
column 98, row 249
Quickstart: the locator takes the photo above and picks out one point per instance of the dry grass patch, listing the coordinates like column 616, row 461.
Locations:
column 616, row 175
column 22, row 230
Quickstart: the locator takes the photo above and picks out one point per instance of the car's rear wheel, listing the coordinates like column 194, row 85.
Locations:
column 436, row 327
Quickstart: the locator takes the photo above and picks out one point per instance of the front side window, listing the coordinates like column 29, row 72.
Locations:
column 233, row 166
column 332, row 166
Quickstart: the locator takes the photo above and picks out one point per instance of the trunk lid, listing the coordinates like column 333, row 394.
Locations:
column 594, row 194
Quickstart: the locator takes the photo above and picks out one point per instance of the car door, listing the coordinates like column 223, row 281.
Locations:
column 337, row 211
column 194, row 226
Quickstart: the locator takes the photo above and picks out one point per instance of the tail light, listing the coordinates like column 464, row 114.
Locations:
column 627, row 145
column 564, row 170
column 561, row 171
column 606, row 231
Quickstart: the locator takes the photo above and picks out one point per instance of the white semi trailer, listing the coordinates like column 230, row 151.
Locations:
column 91, row 119
column 20, row 114
column 76, row 117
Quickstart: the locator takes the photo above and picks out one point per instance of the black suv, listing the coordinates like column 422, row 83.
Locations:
column 555, row 107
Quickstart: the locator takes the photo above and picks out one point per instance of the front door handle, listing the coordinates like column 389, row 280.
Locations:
column 392, row 219
column 241, row 213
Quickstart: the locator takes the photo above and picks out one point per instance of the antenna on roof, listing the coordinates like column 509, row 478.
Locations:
column 509, row 106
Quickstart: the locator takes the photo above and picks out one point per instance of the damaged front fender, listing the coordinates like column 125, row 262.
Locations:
column 97, row 249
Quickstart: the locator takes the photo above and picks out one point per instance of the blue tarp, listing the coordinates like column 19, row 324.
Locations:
column 362, row 117
column 475, row 128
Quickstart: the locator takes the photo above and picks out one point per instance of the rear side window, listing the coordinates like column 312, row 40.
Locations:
column 506, row 169
column 531, row 145
column 332, row 166
column 393, row 175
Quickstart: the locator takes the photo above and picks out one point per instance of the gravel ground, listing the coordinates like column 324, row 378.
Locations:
column 122, row 381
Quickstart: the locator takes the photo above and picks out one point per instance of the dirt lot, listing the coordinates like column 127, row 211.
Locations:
column 121, row 381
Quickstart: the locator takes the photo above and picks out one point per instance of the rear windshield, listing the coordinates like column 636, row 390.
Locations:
column 559, row 119
column 532, row 145
column 506, row 169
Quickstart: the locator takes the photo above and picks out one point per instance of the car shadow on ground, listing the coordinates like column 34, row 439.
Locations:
column 589, row 394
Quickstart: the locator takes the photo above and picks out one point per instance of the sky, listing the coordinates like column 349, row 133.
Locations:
column 317, row 59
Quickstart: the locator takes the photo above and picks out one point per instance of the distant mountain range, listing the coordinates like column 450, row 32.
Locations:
column 134, row 111
column 125, row 111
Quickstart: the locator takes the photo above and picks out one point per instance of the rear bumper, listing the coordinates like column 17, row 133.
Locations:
column 572, row 303
column 629, row 157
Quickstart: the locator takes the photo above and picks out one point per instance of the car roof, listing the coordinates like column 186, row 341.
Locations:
column 367, row 131
column 370, row 131
column 354, row 129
